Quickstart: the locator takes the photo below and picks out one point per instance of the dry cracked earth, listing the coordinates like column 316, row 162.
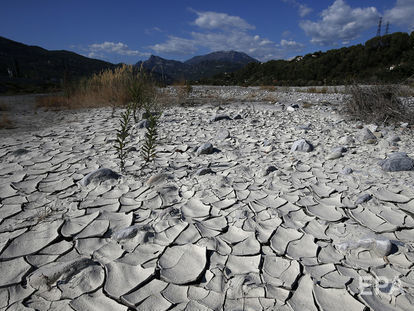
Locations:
column 248, row 206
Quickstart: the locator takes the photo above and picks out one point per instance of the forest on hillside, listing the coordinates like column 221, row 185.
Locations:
column 385, row 59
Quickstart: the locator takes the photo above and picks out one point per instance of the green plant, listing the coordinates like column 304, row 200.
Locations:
column 142, row 92
column 122, row 136
column 148, row 151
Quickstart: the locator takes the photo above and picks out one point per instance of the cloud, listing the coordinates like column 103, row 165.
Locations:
column 175, row 45
column 303, row 9
column 214, row 20
column 291, row 44
column 220, row 31
column 402, row 14
column 340, row 22
column 100, row 49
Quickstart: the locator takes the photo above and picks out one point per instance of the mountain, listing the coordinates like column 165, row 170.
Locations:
column 223, row 56
column 198, row 67
column 23, row 66
column 385, row 59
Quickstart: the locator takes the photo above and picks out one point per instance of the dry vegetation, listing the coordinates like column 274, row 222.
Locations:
column 5, row 122
column 108, row 88
column 378, row 103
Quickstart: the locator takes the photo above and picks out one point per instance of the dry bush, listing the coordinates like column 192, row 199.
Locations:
column 5, row 122
column 108, row 88
column 270, row 88
column 307, row 105
column 53, row 102
column 378, row 103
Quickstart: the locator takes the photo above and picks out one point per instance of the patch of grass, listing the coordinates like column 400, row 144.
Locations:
column 53, row 102
column 378, row 103
column 317, row 90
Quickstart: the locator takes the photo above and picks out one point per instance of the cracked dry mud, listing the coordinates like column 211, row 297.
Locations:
column 251, row 226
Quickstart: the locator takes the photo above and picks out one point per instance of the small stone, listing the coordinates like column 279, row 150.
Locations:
column 204, row 171
column 394, row 139
column 206, row 148
column 237, row 117
column 302, row 145
column 366, row 135
column 143, row 124
column 346, row 140
column 396, row 162
column 347, row 171
column 334, row 155
column 269, row 170
column 99, row 175
column 220, row 117
column 363, row 198
column 404, row 124
column 290, row 109
column 223, row 134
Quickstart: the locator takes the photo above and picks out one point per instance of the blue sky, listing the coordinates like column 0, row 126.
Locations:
column 128, row 31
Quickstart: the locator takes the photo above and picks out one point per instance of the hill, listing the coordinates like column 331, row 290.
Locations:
column 24, row 67
column 385, row 59
column 198, row 67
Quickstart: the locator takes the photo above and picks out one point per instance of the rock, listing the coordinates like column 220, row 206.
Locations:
column 206, row 148
column 334, row 155
column 182, row 264
column 340, row 149
column 290, row 109
column 372, row 127
column 269, row 170
column 223, row 134
column 98, row 176
column 377, row 134
column 404, row 124
column 363, row 198
column 305, row 127
column 220, row 117
column 394, row 139
column 347, row 171
column 396, row 162
column 366, row 135
column 302, row 145
column 143, row 124
column 237, row 117
column 204, row 171
column 346, row 140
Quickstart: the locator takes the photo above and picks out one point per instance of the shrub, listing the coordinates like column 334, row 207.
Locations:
column 148, row 151
column 122, row 136
column 378, row 103
column 113, row 88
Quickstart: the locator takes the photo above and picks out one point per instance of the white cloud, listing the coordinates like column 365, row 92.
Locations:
column 291, row 44
column 340, row 22
column 214, row 20
column 175, row 45
column 100, row 49
column 303, row 9
column 220, row 34
column 401, row 14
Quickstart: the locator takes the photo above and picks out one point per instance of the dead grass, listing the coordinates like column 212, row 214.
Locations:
column 5, row 122
column 109, row 88
column 378, row 103
column 270, row 88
